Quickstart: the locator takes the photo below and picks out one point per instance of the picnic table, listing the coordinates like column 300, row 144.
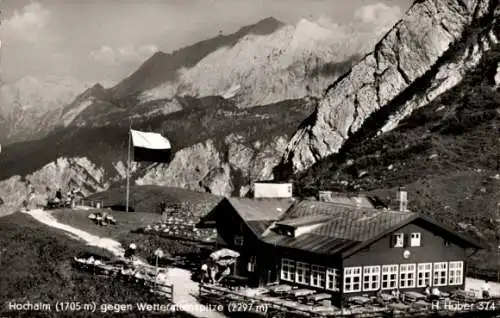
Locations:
column 237, row 280
column 413, row 296
column 464, row 295
column 318, row 297
column 398, row 306
column 281, row 289
column 303, row 292
column 359, row 300
column 422, row 303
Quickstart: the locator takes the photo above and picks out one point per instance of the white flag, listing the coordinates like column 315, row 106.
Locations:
column 149, row 146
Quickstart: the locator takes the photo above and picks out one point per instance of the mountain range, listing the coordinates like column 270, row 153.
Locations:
column 230, row 102
column 421, row 110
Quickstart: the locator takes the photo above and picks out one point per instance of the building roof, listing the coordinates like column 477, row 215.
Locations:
column 265, row 209
column 347, row 228
column 339, row 228
column 273, row 182
column 310, row 242
column 304, row 220
column 340, row 198
column 258, row 214
column 346, row 221
column 258, row 227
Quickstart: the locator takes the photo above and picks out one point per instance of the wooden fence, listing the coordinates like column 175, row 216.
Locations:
column 166, row 290
column 224, row 296
column 485, row 274
column 90, row 203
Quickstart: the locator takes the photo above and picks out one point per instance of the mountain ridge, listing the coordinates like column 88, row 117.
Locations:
column 170, row 63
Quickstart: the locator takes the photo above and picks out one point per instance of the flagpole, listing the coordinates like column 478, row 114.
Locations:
column 128, row 167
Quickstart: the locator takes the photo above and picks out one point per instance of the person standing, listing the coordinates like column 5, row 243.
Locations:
column 213, row 273
column 427, row 291
column 486, row 290
column 130, row 252
column 204, row 273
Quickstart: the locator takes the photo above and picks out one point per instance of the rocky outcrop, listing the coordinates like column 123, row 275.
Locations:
column 417, row 60
column 63, row 173
column 227, row 169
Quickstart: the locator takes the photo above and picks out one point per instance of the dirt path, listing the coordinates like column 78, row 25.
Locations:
column 104, row 243
column 185, row 289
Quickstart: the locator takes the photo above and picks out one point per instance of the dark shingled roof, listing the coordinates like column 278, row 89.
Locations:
column 344, row 228
column 337, row 224
column 258, row 227
column 335, row 228
column 260, row 209
column 305, row 220
column 310, row 242
column 341, row 198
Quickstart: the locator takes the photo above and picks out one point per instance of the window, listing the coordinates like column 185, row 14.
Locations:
column 456, row 273
column 287, row 270
column 251, row 264
column 303, row 273
column 407, row 276
column 317, row 276
column 352, row 279
column 332, row 279
column 238, row 240
column 440, row 273
column 415, row 239
column 389, row 276
column 398, row 240
column 371, row 278
column 424, row 272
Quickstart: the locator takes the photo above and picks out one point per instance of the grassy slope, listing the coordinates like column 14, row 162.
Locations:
column 145, row 199
column 35, row 266
column 122, row 232
column 148, row 198
column 445, row 154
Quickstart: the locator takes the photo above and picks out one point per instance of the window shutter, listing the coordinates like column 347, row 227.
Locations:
column 392, row 241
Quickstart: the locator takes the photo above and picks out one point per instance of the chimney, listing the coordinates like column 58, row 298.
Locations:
column 402, row 199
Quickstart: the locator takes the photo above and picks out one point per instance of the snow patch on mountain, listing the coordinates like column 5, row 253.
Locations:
column 68, row 118
column 290, row 63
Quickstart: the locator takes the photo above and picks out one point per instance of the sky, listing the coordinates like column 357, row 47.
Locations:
column 106, row 40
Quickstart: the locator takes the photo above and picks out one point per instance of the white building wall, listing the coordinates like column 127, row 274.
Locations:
column 272, row 190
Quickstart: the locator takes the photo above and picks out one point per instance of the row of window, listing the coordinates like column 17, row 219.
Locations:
column 373, row 278
column 308, row 274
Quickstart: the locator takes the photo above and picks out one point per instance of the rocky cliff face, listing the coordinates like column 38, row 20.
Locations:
column 425, row 54
column 62, row 173
column 227, row 169
column 219, row 148
column 30, row 107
